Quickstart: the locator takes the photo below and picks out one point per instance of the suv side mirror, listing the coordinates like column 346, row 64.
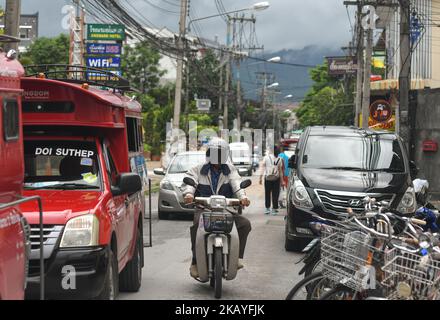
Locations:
column 413, row 170
column 292, row 162
column 127, row 183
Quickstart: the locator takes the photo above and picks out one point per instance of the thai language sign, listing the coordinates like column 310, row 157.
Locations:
column 105, row 32
column 338, row 66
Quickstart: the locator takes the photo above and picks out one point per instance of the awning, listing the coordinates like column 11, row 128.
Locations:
column 393, row 84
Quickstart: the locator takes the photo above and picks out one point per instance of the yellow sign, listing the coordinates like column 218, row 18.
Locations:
column 389, row 125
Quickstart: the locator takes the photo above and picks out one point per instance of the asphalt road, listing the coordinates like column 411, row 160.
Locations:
column 269, row 271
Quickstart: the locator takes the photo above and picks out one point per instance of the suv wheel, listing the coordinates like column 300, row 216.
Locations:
column 293, row 245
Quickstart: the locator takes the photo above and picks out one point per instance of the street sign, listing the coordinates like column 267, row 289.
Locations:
column 416, row 28
column 203, row 104
column 97, row 76
column 104, row 62
column 338, row 66
column 97, row 31
column 103, row 48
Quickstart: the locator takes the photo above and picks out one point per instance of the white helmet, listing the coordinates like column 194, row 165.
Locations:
column 218, row 151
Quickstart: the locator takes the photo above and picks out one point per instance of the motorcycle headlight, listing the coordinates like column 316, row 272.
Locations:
column 218, row 203
column 81, row 231
column 300, row 196
column 408, row 203
column 166, row 185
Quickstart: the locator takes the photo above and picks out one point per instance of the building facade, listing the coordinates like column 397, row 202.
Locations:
column 424, row 108
column 28, row 29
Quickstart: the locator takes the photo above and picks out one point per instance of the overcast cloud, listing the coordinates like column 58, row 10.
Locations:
column 287, row 24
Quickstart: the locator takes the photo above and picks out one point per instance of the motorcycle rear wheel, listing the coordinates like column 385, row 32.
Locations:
column 218, row 272
column 307, row 288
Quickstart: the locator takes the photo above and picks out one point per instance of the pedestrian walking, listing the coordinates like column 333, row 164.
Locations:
column 272, row 172
column 286, row 171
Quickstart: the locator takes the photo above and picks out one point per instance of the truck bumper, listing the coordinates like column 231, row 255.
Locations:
column 72, row 274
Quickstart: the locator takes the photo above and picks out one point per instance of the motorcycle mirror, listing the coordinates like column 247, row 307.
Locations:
column 190, row 182
column 245, row 183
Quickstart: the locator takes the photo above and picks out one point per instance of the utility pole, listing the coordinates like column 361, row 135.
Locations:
column 367, row 74
column 228, row 73
column 238, row 46
column 12, row 22
column 405, row 73
column 76, row 49
column 360, row 59
column 179, row 70
column 364, row 65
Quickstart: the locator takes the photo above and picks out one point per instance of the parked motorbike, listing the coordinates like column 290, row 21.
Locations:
column 427, row 212
column 217, row 242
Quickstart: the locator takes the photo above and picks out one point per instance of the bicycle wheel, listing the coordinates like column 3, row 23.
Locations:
column 309, row 288
column 340, row 292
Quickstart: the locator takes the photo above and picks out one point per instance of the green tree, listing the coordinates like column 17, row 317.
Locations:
column 326, row 103
column 48, row 51
column 140, row 65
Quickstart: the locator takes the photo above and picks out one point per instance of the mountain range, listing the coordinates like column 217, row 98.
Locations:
column 292, row 80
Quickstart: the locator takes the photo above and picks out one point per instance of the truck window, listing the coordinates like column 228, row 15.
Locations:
column 61, row 165
column 112, row 172
column 11, row 127
column 133, row 135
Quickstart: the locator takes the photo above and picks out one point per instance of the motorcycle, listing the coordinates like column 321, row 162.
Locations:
column 217, row 242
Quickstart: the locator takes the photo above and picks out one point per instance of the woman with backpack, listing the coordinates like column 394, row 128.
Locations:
column 273, row 172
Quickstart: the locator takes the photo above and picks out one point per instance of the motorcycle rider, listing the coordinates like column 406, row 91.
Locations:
column 216, row 177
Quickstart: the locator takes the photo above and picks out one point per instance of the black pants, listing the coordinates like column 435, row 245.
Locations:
column 272, row 189
column 243, row 228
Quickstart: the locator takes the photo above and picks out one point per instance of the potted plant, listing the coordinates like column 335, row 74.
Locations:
column 155, row 153
column 147, row 151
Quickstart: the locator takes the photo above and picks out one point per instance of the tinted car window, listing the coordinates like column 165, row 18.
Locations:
column 61, row 165
column 362, row 153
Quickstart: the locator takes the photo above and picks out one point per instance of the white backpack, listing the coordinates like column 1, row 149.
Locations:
column 273, row 172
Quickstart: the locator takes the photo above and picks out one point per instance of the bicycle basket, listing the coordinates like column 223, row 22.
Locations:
column 411, row 276
column 347, row 255
column 215, row 222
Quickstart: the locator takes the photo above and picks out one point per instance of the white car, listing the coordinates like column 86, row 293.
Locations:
column 170, row 195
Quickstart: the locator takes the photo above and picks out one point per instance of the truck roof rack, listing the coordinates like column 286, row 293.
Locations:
column 80, row 75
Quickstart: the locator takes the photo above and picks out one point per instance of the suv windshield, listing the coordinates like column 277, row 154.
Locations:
column 371, row 153
column 61, row 165
column 182, row 163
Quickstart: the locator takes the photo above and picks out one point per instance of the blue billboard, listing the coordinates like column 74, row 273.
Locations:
column 104, row 62
column 103, row 48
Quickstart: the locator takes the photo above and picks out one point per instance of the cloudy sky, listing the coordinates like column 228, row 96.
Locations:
column 287, row 24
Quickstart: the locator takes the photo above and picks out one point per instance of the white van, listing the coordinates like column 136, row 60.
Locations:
column 241, row 156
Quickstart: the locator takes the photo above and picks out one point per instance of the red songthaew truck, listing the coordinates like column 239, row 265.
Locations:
column 14, row 230
column 83, row 155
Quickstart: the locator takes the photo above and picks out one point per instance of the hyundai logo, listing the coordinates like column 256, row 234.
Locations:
column 354, row 202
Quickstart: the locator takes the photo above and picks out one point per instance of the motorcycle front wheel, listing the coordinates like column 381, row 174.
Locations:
column 218, row 272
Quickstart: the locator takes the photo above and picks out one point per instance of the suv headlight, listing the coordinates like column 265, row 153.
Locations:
column 300, row 196
column 166, row 185
column 81, row 231
column 408, row 203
